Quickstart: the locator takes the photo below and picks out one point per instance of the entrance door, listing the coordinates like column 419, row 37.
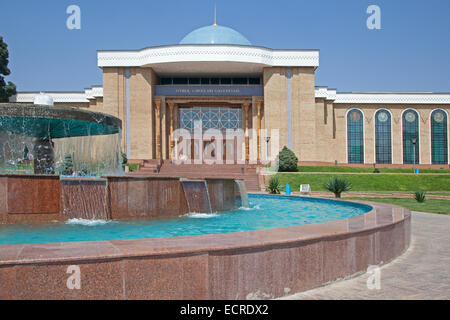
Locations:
column 208, row 119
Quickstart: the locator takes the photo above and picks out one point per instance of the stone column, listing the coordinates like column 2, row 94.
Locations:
column 258, row 128
column 164, row 131
column 158, row 128
column 171, row 119
column 247, row 144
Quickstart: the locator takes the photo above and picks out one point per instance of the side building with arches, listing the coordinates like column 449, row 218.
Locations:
column 399, row 129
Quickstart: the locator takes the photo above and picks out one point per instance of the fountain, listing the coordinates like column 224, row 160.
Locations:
column 214, row 195
column 186, row 257
column 197, row 196
column 52, row 133
column 243, row 193
column 62, row 163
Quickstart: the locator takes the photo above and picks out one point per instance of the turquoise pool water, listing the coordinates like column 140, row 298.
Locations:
column 265, row 212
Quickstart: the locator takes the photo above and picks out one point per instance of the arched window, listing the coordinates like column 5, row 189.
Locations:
column 355, row 136
column 411, row 139
column 383, row 137
column 439, row 137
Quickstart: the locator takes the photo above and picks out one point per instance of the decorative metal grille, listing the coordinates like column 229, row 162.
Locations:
column 439, row 137
column 383, row 137
column 221, row 118
column 410, row 132
column 355, row 136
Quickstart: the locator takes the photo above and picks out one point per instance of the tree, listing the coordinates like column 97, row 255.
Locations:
column 6, row 90
column 287, row 161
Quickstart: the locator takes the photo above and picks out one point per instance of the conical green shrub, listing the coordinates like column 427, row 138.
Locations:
column 287, row 161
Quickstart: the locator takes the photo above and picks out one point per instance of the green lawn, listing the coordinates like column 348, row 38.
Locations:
column 370, row 182
column 365, row 170
column 430, row 205
column 437, row 193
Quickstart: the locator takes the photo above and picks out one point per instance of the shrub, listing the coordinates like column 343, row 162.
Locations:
column 124, row 159
column 376, row 170
column 287, row 161
column 67, row 165
column 133, row 166
column 274, row 186
column 337, row 186
column 420, row 196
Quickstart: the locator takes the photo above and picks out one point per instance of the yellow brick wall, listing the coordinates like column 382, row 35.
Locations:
column 303, row 113
column 303, row 108
column 324, row 141
column 142, row 113
column 114, row 96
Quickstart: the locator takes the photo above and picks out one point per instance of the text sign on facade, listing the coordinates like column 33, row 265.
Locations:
column 208, row 91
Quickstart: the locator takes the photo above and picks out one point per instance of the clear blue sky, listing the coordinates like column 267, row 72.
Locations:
column 410, row 53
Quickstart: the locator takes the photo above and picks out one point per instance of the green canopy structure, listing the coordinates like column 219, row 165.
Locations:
column 48, row 122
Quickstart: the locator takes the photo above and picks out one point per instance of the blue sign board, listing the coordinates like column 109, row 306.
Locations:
column 209, row 91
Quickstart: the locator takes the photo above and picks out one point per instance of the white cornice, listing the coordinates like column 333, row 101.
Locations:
column 393, row 98
column 320, row 92
column 209, row 53
column 94, row 92
column 325, row 93
column 382, row 97
column 61, row 97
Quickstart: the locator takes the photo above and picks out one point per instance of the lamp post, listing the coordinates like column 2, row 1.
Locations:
column 414, row 141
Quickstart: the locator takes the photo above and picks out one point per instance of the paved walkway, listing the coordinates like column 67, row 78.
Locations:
column 396, row 195
column 363, row 194
column 422, row 272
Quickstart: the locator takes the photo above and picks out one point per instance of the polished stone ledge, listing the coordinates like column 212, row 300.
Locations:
column 222, row 266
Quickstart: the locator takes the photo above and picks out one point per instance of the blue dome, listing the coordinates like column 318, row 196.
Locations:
column 215, row 35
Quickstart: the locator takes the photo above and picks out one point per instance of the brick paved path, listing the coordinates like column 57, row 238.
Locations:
column 386, row 194
column 422, row 272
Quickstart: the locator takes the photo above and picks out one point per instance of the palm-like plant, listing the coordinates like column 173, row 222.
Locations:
column 420, row 196
column 274, row 186
column 337, row 186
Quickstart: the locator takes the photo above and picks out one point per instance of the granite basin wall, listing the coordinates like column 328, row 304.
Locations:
column 45, row 198
column 30, row 198
column 245, row 265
